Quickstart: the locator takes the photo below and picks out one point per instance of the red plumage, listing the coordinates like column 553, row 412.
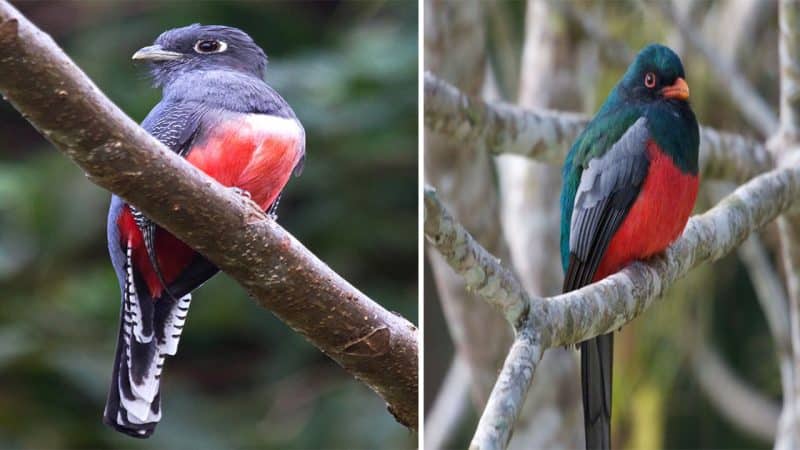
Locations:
column 656, row 218
column 256, row 153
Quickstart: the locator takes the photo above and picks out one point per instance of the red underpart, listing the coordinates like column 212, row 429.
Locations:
column 236, row 154
column 656, row 218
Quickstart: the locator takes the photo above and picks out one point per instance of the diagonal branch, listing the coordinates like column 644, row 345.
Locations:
column 546, row 135
column 508, row 395
column 607, row 305
column 481, row 270
column 373, row 344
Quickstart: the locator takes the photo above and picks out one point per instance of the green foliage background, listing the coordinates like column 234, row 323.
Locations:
column 241, row 377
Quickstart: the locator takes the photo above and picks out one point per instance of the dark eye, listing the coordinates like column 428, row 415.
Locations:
column 650, row 80
column 210, row 46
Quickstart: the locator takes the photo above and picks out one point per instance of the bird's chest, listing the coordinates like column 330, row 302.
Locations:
column 657, row 216
column 253, row 152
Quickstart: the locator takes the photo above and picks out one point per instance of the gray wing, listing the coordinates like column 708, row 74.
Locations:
column 174, row 124
column 608, row 187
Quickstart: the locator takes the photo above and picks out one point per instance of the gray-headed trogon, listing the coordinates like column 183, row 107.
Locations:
column 219, row 114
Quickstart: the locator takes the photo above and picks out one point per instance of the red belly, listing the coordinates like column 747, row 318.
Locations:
column 656, row 218
column 241, row 154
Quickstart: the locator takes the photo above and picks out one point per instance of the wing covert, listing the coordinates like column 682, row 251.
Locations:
column 608, row 187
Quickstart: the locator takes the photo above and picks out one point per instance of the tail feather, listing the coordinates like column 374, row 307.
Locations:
column 149, row 331
column 596, row 362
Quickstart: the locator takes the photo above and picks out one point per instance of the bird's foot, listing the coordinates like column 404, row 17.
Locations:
column 256, row 213
column 242, row 193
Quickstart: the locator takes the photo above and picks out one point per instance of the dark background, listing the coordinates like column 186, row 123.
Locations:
column 241, row 377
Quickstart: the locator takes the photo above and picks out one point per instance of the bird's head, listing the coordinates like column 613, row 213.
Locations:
column 656, row 74
column 202, row 47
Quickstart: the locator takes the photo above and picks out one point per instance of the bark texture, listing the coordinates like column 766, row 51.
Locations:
column 546, row 135
column 376, row 346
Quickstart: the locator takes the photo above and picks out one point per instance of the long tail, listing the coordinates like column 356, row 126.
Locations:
column 596, row 358
column 149, row 331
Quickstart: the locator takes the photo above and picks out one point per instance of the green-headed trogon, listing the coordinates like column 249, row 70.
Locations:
column 630, row 184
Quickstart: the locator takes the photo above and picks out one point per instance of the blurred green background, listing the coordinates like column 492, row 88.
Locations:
column 241, row 377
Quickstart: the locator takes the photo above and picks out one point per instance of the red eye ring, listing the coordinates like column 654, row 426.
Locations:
column 650, row 80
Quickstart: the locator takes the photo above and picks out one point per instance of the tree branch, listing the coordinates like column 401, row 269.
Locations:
column 373, row 344
column 482, row 271
column 546, row 135
column 505, row 402
column 602, row 307
column 607, row 305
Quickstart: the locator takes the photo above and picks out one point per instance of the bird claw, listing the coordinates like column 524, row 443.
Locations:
column 242, row 193
column 248, row 199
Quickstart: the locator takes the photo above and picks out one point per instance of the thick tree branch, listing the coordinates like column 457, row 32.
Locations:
column 375, row 345
column 546, row 135
column 605, row 306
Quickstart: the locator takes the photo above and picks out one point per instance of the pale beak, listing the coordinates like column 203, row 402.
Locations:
column 155, row 53
column 679, row 90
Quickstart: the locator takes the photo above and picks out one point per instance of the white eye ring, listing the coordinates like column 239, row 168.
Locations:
column 222, row 46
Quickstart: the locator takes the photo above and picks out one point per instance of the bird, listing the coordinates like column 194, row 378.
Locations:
column 218, row 113
column 630, row 182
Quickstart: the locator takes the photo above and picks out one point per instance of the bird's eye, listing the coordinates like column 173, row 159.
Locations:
column 210, row 46
column 650, row 80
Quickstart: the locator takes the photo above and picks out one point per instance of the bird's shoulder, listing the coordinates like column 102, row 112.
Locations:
column 602, row 134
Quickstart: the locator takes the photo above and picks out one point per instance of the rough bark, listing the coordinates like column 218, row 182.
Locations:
column 546, row 135
column 604, row 306
column 508, row 395
column 376, row 346
column 607, row 305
